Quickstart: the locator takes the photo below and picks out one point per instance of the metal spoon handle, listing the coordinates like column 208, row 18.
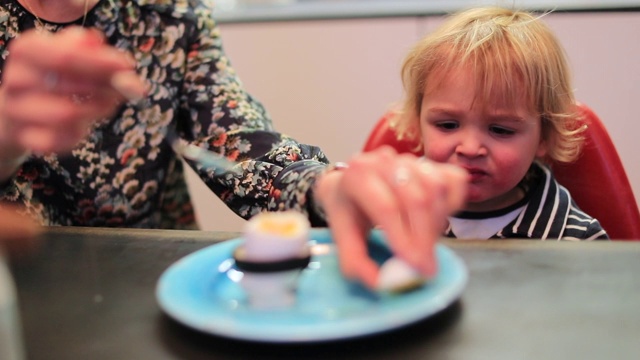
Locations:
column 206, row 158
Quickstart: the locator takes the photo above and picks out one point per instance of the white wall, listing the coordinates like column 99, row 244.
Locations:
column 327, row 82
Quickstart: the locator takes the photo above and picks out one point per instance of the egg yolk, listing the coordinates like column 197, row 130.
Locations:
column 278, row 227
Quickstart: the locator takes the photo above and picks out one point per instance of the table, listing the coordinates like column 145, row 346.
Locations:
column 89, row 294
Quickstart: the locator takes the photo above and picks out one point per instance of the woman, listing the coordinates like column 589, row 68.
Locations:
column 78, row 147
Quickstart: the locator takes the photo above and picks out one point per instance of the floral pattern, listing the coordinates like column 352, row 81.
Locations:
column 124, row 173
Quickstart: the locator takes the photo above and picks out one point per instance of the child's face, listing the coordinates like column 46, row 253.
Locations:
column 495, row 142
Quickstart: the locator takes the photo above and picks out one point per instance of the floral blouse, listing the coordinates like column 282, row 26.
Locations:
column 124, row 174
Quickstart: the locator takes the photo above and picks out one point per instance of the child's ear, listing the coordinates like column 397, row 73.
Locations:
column 542, row 149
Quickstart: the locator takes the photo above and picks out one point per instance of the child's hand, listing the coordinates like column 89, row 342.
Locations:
column 407, row 197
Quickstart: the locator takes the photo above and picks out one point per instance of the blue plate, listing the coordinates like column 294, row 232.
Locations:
column 201, row 291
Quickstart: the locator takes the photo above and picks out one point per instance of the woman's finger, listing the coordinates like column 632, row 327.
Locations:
column 74, row 52
column 422, row 216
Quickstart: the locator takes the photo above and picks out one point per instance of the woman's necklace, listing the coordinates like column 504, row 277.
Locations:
column 41, row 23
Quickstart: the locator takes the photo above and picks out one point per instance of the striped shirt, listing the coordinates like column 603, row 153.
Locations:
column 549, row 214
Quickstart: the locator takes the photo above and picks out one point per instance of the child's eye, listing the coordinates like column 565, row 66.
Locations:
column 447, row 125
column 501, row 131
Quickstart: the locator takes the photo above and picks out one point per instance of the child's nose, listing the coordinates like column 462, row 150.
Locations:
column 471, row 144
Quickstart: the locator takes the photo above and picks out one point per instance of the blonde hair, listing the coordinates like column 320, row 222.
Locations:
column 512, row 53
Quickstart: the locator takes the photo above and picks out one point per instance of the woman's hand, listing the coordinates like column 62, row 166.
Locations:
column 407, row 197
column 55, row 86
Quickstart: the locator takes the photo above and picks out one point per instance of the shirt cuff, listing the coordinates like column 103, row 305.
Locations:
column 293, row 190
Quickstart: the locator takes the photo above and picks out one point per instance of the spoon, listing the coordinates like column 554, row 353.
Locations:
column 206, row 158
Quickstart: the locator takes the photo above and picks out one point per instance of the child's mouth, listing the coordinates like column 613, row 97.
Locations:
column 476, row 174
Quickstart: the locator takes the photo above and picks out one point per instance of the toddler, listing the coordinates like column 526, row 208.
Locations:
column 489, row 91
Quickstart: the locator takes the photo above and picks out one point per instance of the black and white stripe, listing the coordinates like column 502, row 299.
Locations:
column 551, row 214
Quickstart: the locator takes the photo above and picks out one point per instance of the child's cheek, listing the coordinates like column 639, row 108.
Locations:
column 436, row 153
